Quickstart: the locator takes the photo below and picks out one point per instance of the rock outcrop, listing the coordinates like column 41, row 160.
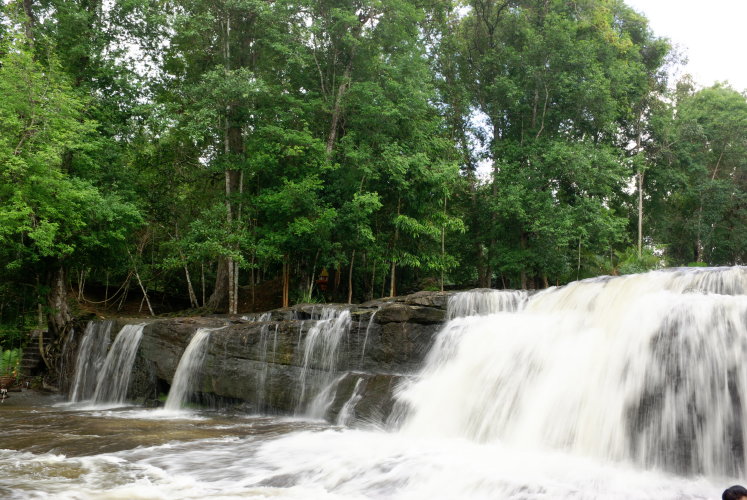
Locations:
column 266, row 363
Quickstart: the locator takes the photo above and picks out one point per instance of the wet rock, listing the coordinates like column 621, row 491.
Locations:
column 363, row 399
column 429, row 299
column 261, row 363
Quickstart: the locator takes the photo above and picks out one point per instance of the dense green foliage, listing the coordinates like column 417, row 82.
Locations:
column 9, row 360
column 202, row 148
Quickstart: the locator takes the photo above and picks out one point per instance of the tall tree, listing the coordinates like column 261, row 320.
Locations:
column 698, row 193
column 52, row 217
column 554, row 82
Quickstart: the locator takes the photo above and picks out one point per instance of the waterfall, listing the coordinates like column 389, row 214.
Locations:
column 649, row 369
column 320, row 349
column 346, row 415
column 264, row 334
column 485, row 301
column 114, row 376
column 365, row 338
column 90, row 359
column 186, row 377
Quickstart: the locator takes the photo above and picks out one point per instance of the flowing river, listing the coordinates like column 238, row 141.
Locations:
column 67, row 453
column 613, row 388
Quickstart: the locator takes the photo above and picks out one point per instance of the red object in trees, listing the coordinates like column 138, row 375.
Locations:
column 323, row 280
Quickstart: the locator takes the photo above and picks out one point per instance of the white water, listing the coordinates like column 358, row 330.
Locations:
column 329, row 464
column 624, row 388
column 114, row 377
column 346, row 415
column 365, row 338
column 482, row 302
column 91, row 357
column 646, row 369
column 188, row 371
column 263, row 348
column 320, row 360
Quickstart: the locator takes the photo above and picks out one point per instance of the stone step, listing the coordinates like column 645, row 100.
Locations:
column 31, row 360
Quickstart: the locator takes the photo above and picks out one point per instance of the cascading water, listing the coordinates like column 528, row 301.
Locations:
column 645, row 368
column 320, row 361
column 91, row 357
column 365, row 338
column 485, row 301
column 586, row 392
column 346, row 412
column 188, row 370
column 264, row 335
column 114, row 376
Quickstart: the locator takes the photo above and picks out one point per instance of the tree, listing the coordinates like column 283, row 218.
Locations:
column 554, row 82
column 51, row 218
column 699, row 197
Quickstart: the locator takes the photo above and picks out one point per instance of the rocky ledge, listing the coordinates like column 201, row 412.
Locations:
column 290, row 361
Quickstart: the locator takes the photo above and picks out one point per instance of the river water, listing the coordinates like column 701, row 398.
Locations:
column 55, row 450
column 614, row 388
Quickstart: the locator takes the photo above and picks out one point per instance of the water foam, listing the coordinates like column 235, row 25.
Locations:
column 647, row 368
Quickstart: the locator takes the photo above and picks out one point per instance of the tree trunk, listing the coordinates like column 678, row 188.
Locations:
column 233, row 143
column 383, row 285
column 253, row 277
column 190, row 290
column 219, row 298
column 145, row 293
column 350, row 278
column 483, row 270
column 59, row 317
column 393, row 280
column 81, row 284
column 392, row 277
column 337, row 111
column 640, row 213
column 443, row 248
column 235, row 308
column 286, row 282
column 126, row 287
column 699, row 239
column 30, row 20
column 106, row 290
column 202, row 281
column 639, row 175
column 231, row 284
column 313, row 274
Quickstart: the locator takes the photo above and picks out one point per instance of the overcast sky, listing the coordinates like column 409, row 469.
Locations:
column 711, row 33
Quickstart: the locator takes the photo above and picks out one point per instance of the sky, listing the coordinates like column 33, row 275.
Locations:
column 711, row 33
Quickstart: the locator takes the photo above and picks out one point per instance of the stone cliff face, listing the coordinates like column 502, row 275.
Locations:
column 335, row 362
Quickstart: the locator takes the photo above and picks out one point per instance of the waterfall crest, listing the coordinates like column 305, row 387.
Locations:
column 91, row 357
column 114, row 377
column 320, row 350
column 188, row 371
column 645, row 368
column 264, row 342
column 484, row 301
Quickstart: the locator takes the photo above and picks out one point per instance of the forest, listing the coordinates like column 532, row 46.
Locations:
column 235, row 155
